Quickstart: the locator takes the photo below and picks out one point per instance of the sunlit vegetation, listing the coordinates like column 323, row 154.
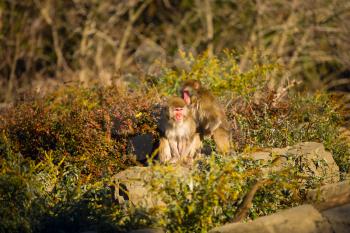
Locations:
column 79, row 80
column 60, row 151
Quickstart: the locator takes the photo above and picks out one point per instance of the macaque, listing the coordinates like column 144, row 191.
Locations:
column 180, row 141
column 209, row 115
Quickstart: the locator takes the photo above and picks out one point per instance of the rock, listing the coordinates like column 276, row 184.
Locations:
column 130, row 185
column 317, row 161
column 148, row 230
column 328, row 191
column 339, row 218
column 301, row 219
column 261, row 155
column 311, row 158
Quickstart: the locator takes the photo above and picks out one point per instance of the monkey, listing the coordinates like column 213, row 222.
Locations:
column 209, row 115
column 180, row 142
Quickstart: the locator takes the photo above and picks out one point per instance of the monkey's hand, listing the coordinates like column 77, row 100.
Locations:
column 175, row 154
column 173, row 161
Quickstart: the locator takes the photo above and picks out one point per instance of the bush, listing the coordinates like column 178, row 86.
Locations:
column 89, row 127
column 50, row 197
column 59, row 152
column 262, row 115
column 298, row 118
column 213, row 192
column 221, row 74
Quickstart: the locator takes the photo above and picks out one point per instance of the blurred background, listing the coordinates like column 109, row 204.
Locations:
column 47, row 43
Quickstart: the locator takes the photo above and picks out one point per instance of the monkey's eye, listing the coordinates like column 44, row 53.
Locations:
column 178, row 109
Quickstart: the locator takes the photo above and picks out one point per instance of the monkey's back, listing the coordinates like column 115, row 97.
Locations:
column 210, row 109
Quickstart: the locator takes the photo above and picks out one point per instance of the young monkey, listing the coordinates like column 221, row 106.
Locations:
column 209, row 115
column 180, row 141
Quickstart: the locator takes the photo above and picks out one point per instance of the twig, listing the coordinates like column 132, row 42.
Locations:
column 13, row 70
column 132, row 18
column 248, row 200
column 210, row 27
column 45, row 13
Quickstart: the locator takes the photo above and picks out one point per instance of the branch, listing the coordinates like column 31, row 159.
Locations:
column 13, row 71
column 45, row 13
column 210, row 27
column 248, row 200
column 132, row 18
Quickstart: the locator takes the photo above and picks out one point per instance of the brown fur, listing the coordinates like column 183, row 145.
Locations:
column 209, row 115
column 180, row 141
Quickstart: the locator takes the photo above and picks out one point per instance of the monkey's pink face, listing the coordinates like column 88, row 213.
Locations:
column 178, row 114
column 186, row 96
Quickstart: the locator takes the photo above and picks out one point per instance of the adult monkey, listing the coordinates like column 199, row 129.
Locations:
column 209, row 115
column 180, row 142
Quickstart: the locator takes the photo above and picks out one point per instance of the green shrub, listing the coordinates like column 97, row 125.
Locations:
column 298, row 118
column 47, row 196
column 220, row 74
column 58, row 153
column 211, row 194
column 261, row 116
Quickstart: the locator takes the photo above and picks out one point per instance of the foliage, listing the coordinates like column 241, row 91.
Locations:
column 211, row 194
column 298, row 118
column 89, row 127
column 50, row 197
column 221, row 74
column 58, row 153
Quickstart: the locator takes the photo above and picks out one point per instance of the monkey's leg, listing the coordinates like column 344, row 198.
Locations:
column 164, row 150
column 193, row 146
column 174, row 148
column 208, row 125
column 222, row 137
column 181, row 146
column 196, row 145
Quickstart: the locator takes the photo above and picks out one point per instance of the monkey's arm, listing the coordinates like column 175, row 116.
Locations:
column 210, row 116
column 222, row 138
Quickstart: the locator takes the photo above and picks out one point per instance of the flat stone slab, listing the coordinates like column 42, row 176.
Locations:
column 301, row 219
column 130, row 185
column 330, row 195
column 312, row 157
column 148, row 230
column 329, row 191
column 339, row 218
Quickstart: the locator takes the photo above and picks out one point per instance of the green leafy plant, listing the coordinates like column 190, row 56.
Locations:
column 298, row 118
column 212, row 193
column 221, row 74
column 58, row 153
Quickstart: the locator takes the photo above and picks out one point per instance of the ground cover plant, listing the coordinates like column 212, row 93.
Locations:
column 59, row 152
